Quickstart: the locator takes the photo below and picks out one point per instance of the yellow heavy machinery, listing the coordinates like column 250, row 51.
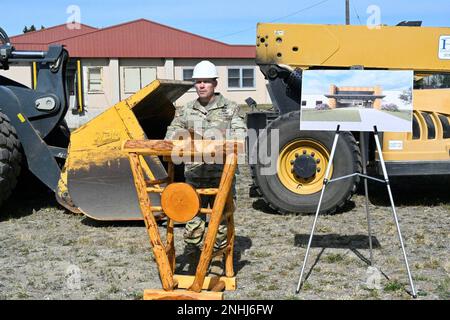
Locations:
column 285, row 50
column 90, row 173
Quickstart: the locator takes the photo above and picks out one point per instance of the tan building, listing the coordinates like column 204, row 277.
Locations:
column 110, row 64
column 368, row 97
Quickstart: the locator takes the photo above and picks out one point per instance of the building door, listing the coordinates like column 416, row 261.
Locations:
column 136, row 78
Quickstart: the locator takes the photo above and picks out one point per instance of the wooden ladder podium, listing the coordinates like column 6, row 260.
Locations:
column 180, row 202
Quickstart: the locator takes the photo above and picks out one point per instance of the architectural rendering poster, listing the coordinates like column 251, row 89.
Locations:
column 357, row 100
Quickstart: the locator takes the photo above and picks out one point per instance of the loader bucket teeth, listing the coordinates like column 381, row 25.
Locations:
column 99, row 179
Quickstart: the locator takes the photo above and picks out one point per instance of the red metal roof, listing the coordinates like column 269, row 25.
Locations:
column 138, row 39
column 52, row 34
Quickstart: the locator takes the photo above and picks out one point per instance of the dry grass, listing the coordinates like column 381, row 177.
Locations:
column 39, row 241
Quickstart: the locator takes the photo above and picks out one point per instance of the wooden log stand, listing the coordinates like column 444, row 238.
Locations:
column 180, row 202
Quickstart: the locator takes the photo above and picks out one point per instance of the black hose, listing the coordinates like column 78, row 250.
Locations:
column 4, row 36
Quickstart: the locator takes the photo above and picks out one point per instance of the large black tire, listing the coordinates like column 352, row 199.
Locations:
column 10, row 158
column 347, row 160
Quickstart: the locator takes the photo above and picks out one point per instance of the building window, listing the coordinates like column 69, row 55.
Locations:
column 95, row 81
column 136, row 78
column 187, row 74
column 241, row 78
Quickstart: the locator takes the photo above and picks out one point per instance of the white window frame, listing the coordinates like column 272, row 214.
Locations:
column 184, row 69
column 89, row 79
column 182, row 76
column 241, row 78
column 140, row 77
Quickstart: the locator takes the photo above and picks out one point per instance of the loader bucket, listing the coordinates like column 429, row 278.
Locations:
column 97, row 172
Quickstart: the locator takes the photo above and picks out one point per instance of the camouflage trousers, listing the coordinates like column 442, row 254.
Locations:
column 194, row 230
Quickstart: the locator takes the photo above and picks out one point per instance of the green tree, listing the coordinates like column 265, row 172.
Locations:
column 30, row 29
column 406, row 96
column 446, row 81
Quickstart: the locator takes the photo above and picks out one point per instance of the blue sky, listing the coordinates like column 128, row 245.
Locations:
column 230, row 21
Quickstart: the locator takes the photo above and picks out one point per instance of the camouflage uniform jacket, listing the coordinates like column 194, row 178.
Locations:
column 220, row 114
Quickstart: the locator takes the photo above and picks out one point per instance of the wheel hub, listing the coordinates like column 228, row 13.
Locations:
column 300, row 166
column 305, row 166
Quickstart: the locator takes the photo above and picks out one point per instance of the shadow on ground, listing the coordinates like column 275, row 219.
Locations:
column 187, row 261
column 407, row 191
column 336, row 241
column 261, row 205
column 411, row 191
column 29, row 196
column 116, row 224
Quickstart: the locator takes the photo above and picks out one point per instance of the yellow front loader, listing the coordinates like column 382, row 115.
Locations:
column 283, row 51
column 86, row 169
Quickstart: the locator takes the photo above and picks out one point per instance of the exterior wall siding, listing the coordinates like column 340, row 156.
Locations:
column 20, row 73
column 113, row 86
column 258, row 93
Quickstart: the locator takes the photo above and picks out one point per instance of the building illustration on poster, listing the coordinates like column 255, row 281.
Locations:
column 357, row 100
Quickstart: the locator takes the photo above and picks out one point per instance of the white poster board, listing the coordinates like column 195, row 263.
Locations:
column 444, row 47
column 357, row 100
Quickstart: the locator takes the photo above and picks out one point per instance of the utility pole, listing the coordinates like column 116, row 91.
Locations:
column 347, row 12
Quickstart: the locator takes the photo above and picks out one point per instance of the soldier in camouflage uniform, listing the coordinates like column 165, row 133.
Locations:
column 209, row 111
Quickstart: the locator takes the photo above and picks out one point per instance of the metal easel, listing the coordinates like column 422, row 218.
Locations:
column 365, row 176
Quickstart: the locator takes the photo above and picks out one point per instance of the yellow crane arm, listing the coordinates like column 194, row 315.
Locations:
column 342, row 46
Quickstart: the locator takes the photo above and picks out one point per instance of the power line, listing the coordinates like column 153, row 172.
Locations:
column 301, row 10
column 276, row 19
column 356, row 12
column 237, row 32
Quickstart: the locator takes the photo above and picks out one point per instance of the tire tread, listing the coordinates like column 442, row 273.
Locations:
column 357, row 167
column 11, row 158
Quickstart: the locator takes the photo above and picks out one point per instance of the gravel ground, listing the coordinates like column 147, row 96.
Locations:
column 44, row 250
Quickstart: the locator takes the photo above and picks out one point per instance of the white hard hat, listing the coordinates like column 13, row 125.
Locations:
column 205, row 70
